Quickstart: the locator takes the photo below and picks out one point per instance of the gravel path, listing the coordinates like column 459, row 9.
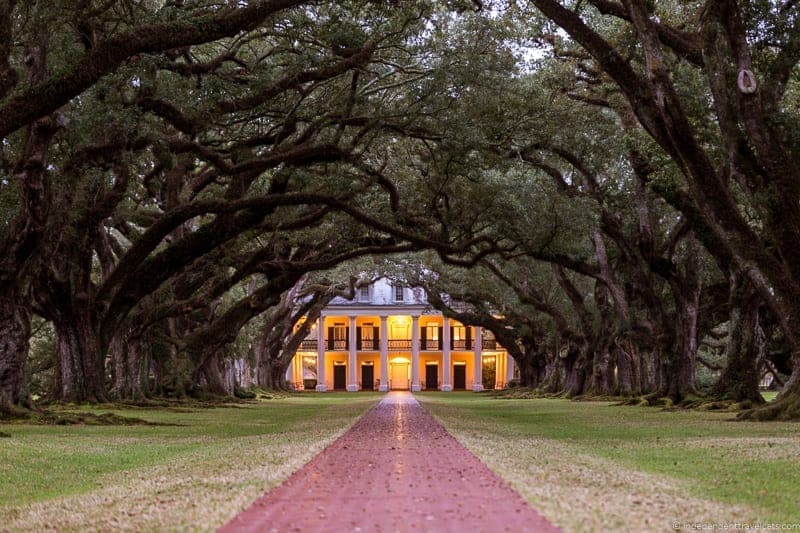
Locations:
column 396, row 469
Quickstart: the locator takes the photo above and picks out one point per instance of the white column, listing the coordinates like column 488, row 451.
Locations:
column 415, row 354
column 477, row 384
column 298, row 369
column 447, row 384
column 290, row 373
column 509, row 369
column 352, row 384
column 321, row 387
column 384, row 342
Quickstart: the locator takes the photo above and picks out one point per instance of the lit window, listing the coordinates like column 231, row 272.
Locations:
column 309, row 367
column 340, row 332
column 432, row 332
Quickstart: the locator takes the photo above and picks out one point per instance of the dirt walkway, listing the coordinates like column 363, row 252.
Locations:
column 396, row 469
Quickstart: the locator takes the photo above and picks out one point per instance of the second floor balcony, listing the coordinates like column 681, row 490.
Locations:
column 308, row 345
column 395, row 345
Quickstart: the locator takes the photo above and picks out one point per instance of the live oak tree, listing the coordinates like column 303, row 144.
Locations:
column 641, row 255
column 731, row 135
column 167, row 138
column 634, row 262
column 621, row 174
column 47, row 65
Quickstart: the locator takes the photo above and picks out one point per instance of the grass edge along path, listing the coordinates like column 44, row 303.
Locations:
column 592, row 466
column 197, row 474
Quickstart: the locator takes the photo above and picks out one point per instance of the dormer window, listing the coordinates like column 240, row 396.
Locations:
column 398, row 293
column 363, row 294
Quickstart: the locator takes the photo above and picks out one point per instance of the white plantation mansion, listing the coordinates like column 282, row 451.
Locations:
column 388, row 338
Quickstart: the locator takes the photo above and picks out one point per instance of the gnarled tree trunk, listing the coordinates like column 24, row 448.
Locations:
column 15, row 332
column 602, row 377
column 79, row 359
column 576, row 372
column 129, row 364
column 625, row 373
column 739, row 380
column 210, row 377
column 786, row 407
column 531, row 362
column 677, row 362
column 272, row 374
column 553, row 380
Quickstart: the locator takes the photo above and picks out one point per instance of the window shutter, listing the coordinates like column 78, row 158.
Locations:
column 452, row 336
column 376, row 337
column 331, row 340
column 423, row 335
column 441, row 337
column 347, row 337
column 467, row 337
column 358, row 337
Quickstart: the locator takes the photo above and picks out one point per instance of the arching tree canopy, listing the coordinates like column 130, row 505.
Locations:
column 609, row 187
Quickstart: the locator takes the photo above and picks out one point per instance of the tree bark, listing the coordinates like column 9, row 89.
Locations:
column 208, row 375
column 129, row 368
column 646, row 370
column 575, row 372
column 602, row 378
column 677, row 363
column 271, row 371
column 739, row 380
column 240, row 374
column 531, row 362
column 15, row 332
column 21, row 241
column 79, row 360
column 786, row 407
column 625, row 373
column 528, row 373
column 553, row 381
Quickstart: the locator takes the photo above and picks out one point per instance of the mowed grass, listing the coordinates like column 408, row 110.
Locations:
column 769, row 395
column 197, row 472
column 593, row 465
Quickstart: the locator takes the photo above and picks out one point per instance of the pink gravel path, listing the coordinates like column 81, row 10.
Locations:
column 396, row 469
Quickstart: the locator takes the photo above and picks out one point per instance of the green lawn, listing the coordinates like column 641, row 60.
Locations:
column 592, row 465
column 769, row 395
column 201, row 470
column 585, row 465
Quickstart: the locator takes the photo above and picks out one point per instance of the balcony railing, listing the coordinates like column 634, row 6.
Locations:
column 399, row 344
column 490, row 344
column 431, row 344
column 369, row 344
column 338, row 345
column 308, row 345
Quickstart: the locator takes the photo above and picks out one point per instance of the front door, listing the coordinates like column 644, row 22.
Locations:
column 431, row 377
column 399, row 376
column 460, row 376
column 339, row 377
column 367, row 377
